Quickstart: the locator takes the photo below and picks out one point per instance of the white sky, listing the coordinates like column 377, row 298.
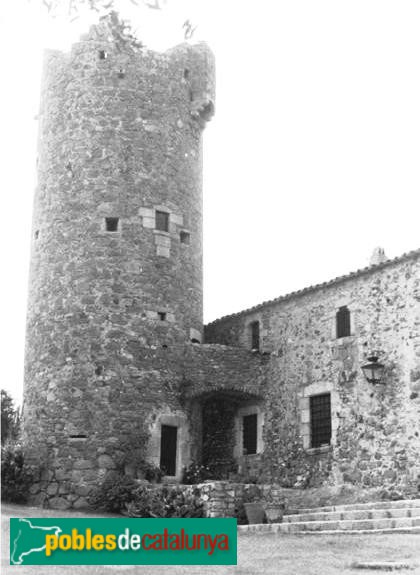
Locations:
column 311, row 160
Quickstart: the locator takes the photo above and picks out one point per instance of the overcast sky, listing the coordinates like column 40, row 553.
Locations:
column 311, row 161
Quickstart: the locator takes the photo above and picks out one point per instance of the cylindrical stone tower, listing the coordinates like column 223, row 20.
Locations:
column 116, row 265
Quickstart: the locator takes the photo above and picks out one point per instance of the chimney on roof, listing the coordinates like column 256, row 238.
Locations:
column 378, row 257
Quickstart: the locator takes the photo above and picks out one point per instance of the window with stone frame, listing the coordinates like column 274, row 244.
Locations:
column 168, row 449
column 162, row 221
column 250, row 433
column 320, row 419
column 342, row 322
column 255, row 335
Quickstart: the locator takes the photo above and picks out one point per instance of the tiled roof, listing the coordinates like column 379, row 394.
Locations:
column 368, row 269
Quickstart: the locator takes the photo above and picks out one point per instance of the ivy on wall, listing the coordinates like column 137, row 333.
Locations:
column 219, row 437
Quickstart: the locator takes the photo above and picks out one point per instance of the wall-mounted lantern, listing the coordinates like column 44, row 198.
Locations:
column 374, row 370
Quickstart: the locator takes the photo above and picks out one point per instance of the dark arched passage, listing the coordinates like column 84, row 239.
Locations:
column 221, row 430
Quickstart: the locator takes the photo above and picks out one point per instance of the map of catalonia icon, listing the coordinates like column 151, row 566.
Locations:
column 27, row 531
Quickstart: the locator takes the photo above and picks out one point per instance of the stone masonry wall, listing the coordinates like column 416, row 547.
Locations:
column 375, row 429
column 162, row 385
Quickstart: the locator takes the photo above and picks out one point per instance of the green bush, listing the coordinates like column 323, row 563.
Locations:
column 165, row 501
column 16, row 475
column 114, row 493
column 151, row 472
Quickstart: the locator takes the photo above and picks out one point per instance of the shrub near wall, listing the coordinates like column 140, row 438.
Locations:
column 16, row 475
column 138, row 498
column 166, row 501
column 210, row 499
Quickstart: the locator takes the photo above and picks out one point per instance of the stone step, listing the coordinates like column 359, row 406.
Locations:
column 349, row 525
column 398, row 504
column 279, row 528
column 351, row 515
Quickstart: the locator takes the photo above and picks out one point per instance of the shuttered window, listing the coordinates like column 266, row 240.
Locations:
column 249, row 430
column 320, row 413
column 343, row 322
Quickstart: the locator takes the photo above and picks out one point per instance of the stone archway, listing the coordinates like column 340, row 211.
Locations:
column 221, row 435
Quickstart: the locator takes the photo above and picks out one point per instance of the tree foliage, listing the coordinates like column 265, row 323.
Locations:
column 10, row 418
column 73, row 7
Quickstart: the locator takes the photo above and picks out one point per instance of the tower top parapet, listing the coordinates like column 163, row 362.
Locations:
column 113, row 39
column 111, row 28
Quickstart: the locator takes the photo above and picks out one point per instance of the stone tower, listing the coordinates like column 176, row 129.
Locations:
column 116, row 265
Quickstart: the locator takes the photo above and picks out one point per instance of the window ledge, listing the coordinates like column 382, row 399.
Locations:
column 319, row 450
column 343, row 340
column 161, row 233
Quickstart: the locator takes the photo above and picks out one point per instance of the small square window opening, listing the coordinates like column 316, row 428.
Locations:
column 162, row 221
column 103, row 55
column 112, row 224
column 162, row 315
column 184, row 237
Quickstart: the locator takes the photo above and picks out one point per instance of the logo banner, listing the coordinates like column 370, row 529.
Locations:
column 122, row 541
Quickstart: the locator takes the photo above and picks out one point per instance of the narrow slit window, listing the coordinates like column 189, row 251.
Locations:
column 112, row 224
column 249, row 434
column 121, row 73
column 184, row 237
column 320, row 418
column 255, row 335
column 162, row 221
column 342, row 319
column 162, row 315
column 36, row 234
column 168, row 449
column 78, row 436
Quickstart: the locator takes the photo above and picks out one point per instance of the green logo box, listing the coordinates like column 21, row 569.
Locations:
column 123, row 541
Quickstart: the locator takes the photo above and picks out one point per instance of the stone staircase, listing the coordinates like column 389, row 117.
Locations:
column 378, row 517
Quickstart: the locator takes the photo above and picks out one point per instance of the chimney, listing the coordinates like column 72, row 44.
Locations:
column 378, row 257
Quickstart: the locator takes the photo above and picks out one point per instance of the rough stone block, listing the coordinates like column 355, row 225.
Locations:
column 81, row 503
column 147, row 212
column 83, row 464
column 163, row 251
column 106, row 462
column 176, row 219
column 83, row 489
column 148, row 222
column 59, row 503
column 52, row 488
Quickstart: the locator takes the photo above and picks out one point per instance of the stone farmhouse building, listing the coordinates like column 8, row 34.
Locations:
column 118, row 365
